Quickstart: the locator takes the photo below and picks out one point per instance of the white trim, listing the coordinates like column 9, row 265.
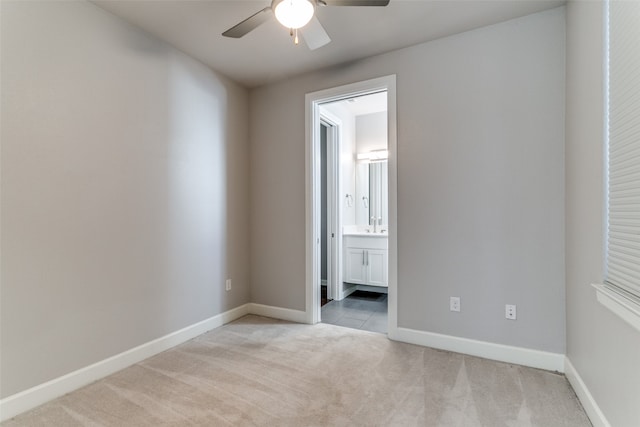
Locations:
column 312, row 102
column 348, row 291
column 288, row 314
column 334, row 205
column 595, row 414
column 500, row 352
column 625, row 306
column 312, row 115
column 392, row 165
column 35, row 396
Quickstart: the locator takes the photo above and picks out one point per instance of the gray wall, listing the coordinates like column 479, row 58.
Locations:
column 604, row 349
column 124, row 190
column 480, row 173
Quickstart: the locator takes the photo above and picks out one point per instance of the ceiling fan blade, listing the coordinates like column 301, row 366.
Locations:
column 355, row 2
column 314, row 34
column 249, row 24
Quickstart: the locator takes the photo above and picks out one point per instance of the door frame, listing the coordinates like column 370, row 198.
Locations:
column 313, row 101
column 334, row 216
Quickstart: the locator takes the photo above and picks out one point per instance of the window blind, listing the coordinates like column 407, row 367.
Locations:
column 623, row 239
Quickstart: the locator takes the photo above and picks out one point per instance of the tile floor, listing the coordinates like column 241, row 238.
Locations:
column 360, row 310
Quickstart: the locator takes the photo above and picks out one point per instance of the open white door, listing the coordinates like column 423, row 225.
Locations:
column 334, row 265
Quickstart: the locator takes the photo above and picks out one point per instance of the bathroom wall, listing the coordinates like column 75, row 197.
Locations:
column 371, row 132
column 347, row 159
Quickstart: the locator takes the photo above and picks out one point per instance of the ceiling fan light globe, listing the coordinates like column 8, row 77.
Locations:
column 294, row 13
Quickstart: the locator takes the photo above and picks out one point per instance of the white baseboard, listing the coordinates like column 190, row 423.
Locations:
column 596, row 416
column 347, row 292
column 278, row 313
column 503, row 353
column 35, row 396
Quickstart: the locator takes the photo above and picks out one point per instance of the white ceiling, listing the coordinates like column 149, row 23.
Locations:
column 268, row 54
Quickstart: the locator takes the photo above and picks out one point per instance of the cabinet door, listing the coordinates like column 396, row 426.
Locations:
column 377, row 267
column 354, row 266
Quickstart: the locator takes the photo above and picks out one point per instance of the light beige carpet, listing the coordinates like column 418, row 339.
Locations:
column 264, row 372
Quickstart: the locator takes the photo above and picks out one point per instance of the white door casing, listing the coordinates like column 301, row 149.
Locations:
column 312, row 181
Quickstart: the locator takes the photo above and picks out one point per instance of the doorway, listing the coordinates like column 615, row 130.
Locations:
column 358, row 154
column 376, row 276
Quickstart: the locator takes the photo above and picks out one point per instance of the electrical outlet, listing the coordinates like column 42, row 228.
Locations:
column 454, row 303
column 228, row 284
column 510, row 312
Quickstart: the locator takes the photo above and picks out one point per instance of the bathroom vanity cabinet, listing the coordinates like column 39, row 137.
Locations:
column 366, row 259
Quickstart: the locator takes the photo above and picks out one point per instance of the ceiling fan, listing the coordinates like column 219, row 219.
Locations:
column 294, row 15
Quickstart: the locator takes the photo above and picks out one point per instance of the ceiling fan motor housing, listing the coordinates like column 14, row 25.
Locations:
column 293, row 14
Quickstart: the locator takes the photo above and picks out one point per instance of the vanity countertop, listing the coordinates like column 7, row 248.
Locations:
column 365, row 234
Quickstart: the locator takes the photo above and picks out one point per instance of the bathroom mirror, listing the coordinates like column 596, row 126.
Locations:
column 372, row 198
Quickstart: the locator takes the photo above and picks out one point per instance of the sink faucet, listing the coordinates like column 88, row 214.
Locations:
column 376, row 221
